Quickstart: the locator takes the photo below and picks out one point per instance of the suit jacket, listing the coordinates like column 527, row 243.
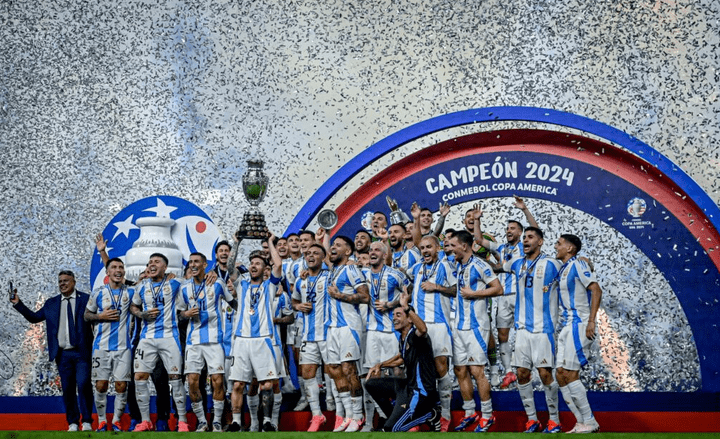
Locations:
column 50, row 313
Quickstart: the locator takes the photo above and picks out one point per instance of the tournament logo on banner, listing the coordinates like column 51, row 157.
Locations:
column 163, row 224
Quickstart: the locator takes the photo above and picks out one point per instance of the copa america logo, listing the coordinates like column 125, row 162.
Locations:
column 636, row 207
column 169, row 225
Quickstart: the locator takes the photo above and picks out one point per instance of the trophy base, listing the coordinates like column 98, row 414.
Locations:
column 253, row 226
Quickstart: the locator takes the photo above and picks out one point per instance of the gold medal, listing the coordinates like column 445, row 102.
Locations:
column 252, row 311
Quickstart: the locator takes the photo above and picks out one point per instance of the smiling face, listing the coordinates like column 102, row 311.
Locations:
column 314, row 258
column 222, row 253
column 429, row 250
column 362, row 241
column 469, row 221
column 532, row 242
column 197, row 266
column 400, row 320
column 294, row 244
column 256, row 269
column 156, row 268
column 396, row 235
column 513, row 233
column 306, row 240
column 66, row 284
column 379, row 221
column 116, row 272
column 377, row 254
column 282, row 248
column 339, row 252
column 426, row 218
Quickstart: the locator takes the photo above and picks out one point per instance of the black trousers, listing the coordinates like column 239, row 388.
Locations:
column 74, row 370
column 408, row 408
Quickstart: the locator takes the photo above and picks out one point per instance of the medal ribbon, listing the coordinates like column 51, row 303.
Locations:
column 157, row 293
column 375, row 291
column 524, row 272
column 115, row 303
column 427, row 276
column 556, row 280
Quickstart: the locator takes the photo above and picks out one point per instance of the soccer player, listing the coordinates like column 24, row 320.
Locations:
column 434, row 283
column 379, row 222
column 346, row 290
column 416, row 401
column 505, row 305
column 536, row 309
column 403, row 256
column 309, row 299
column 475, row 283
column 580, row 297
column 205, row 338
column 253, row 352
column 362, row 241
column 156, row 302
column 386, row 285
column 109, row 307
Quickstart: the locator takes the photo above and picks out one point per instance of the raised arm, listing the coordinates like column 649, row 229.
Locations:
column 275, row 256
column 520, row 204
column 444, row 210
column 420, row 326
column 477, row 227
column 417, row 233
column 101, row 245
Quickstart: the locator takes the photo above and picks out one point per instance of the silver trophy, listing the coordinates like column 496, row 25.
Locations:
column 327, row 219
column 397, row 216
column 254, row 183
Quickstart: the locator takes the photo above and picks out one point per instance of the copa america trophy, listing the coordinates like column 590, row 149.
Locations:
column 397, row 216
column 254, row 183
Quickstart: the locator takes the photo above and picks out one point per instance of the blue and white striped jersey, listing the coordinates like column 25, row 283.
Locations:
column 536, row 305
column 386, row 286
column 207, row 327
column 432, row 307
column 281, row 307
column 573, row 280
column 473, row 313
column 111, row 336
column 509, row 253
column 255, row 312
column 166, row 297
column 313, row 289
column 405, row 259
column 347, row 278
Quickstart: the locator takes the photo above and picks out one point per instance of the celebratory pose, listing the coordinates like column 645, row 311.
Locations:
column 416, row 397
column 475, row 283
column 434, row 283
column 536, row 309
column 346, row 290
column 69, row 341
column 580, row 297
column 205, row 338
column 309, row 299
column 156, row 302
column 253, row 352
column 109, row 309
column 403, row 254
column 505, row 305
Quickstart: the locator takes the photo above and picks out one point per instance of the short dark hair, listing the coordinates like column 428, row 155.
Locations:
column 161, row 256
column 381, row 213
column 574, row 240
column 307, row 232
column 112, row 260
column 67, row 273
column 257, row 254
column 221, row 243
column 450, row 231
column 292, row 234
column 363, row 231
column 423, row 209
column 320, row 247
column 202, row 256
column 347, row 240
column 464, row 236
column 519, row 224
column 535, row 230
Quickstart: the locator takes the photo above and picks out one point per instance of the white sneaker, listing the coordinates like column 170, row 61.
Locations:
column 303, row 404
column 254, row 427
column 588, row 427
column 366, row 428
column 86, row 426
column 73, row 427
column 353, row 426
column 495, row 376
column 217, row 427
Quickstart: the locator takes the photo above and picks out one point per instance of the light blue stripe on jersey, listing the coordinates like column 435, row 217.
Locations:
column 209, row 327
column 314, row 322
column 346, row 278
column 432, row 307
column 111, row 336
column 165, row 325
column 260, row 323
column 578, row 344
column 532, row 291
column 390, row 287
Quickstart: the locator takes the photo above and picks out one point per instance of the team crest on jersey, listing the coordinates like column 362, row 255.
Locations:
column 163, row 224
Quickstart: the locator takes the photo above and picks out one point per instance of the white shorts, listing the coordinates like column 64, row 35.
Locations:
column 313, row 352
column 441, row 338
column 343, row 345
column 198, row 355
column 148, row 350
column 573, row 347
column 279, row 361
column 253, row 357
column 505, row 311
column 470, row 347
column 379, row 347
column 105, row 363
column 534, row 350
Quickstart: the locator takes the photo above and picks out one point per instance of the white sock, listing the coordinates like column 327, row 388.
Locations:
column 579, row 396
column 445, row 391
column 277, row 402
column 486, row 408
column 199, row 411
column 101, row 405
column 551, row 397
column 357, row 407
column 120, row 403
column 567, row 396
column 253, row 403
column 505, row 356
column 303, row 395
column 218, row 407
column 469, row 407
column 528, row 399
column 346, row 402
column 369, row 405
column 178, row 391
column 142, row 395
column 313, row 396
column 237, row 418
column 339, row 407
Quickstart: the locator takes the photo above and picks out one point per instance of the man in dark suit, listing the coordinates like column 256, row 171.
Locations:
column 69, row 344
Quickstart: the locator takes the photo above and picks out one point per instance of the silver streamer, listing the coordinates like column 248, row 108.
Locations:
column 104, row 103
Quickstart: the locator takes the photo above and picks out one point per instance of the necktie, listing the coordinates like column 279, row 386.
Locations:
column 71, row 324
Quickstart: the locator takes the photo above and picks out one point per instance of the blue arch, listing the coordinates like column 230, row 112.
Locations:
column 494, row 114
